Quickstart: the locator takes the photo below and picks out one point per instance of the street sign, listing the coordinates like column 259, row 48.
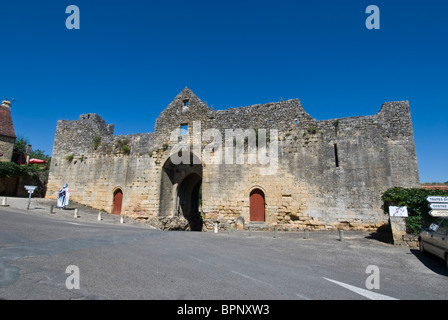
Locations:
column 439, row 213
column 30, row 189
column 437, row 199
column 398, row 211
column 439, row 206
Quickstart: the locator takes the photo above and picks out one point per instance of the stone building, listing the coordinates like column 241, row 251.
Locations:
column 7, row 135
column 202, row 165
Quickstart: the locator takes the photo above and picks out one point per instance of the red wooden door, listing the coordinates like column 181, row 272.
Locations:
column 118, row 200
column 257, row 205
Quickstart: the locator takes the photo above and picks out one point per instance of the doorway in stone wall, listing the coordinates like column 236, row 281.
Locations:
column 189, row 195
column 181, row 191
column 257, row 205
column 118, row 201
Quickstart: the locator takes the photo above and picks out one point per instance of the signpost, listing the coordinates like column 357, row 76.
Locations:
column 398, row 211
column 30, row 190
column 439, row 213
column 397, row 220
column 437, row 199
column 439, row 206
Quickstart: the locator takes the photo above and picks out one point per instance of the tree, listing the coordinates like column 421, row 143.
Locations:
column 21, row 144
column 39, row 154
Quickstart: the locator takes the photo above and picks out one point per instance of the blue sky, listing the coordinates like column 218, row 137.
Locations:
column 129, row 59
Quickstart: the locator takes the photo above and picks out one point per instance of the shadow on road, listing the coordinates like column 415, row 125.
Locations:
column 381, row 236
column 432, row 262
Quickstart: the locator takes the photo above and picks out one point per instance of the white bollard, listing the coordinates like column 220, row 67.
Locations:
column 341, row 235
column 121, row 219
column 99, row 216
column 4, row 204
column 76, row 213
column 216, row 227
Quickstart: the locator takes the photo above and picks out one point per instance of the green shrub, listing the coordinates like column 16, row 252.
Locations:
column 96, row 140
column 11, row 169
column 126, row 149
column 415, row 200
column 123, row 144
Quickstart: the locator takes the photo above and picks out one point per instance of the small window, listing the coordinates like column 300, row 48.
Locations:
column 183, row 129
column 186, row 102
column 336, row 156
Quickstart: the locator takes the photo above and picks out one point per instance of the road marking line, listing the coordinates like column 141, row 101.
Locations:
column 265, row 283
column 75, row 223
column 365, row 293
column 249, row 277
column 302, row 297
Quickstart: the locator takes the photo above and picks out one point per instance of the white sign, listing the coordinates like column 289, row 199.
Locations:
column 439, row 213
column 398, row 211
column 30, row 189
column 437, row 199
column 440, row 206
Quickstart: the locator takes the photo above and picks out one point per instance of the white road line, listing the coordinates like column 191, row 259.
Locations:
column 302, row 297
column 75, row 223
column 79, row 224
column 249, row 277
column 365, row 293
column 265, row 283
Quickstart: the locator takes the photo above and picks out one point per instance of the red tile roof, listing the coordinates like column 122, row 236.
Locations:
column 6, row 126
column 443, row 188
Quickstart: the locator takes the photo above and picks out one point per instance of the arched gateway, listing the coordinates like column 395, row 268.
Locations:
column 180, row 191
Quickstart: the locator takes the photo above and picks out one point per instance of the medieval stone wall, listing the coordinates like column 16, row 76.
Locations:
column 330, row 173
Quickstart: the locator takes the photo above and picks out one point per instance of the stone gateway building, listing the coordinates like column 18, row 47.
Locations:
column 201, row 166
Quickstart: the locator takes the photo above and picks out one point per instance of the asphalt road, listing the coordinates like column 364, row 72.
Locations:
column 136, row 262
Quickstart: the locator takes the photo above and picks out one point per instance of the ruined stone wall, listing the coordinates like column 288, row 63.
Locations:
column 6, row 147
column 331, row 173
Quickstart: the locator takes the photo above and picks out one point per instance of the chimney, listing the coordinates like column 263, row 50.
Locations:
column 6, row 103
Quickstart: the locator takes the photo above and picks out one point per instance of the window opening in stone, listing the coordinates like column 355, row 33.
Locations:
column 183, row 129
column 186, row 102
column 336, row 156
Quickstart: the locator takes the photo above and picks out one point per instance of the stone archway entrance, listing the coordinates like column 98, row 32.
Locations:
column 180, row 192
column 189, row 196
